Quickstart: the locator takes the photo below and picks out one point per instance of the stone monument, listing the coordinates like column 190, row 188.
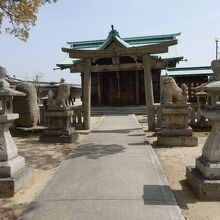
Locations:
column 175, row 129
column 26, row 106
column 13, row 172
column 58, row 116
column 205, row 177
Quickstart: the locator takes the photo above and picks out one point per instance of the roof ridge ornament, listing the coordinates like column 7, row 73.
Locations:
column 113, row 33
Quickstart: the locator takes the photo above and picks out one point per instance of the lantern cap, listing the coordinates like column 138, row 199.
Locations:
column 5, row 89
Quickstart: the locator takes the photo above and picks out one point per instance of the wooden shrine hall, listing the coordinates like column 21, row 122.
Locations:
column 121, row 71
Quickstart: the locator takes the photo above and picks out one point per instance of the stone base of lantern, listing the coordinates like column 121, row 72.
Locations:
column 59, row 135
column 204, row 188
column 10, row 185
column 12, row 166
column 209, row 169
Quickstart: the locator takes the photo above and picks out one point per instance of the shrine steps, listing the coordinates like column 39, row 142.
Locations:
column 118, row 110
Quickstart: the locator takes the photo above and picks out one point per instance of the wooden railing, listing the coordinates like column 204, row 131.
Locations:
column 77, row 118
column 196, row 119
column 41, row 120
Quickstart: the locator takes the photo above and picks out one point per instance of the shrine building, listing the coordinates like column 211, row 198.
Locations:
column 118, row 80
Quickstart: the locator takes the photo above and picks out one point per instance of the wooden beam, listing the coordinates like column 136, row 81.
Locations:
column 108, row 68
column 117, row 67
column 74, row 69
column 118, row 52
column 158, row 64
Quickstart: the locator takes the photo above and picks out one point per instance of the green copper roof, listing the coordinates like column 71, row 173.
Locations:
column 202, row 70
column 114, row 36
column 68, row 62
column 111, row 39
column 132, row 41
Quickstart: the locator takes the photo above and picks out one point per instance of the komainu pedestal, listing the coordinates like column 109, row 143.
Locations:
column 175, row 129
column 58, row 116
column 59, row 126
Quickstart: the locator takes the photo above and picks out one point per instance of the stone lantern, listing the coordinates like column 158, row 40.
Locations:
column 13, row 172
column 205, row 177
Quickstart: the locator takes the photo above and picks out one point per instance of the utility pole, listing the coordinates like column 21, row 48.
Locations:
column 216, row 48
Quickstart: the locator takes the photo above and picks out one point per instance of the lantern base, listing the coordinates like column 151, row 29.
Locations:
column 204, row 188
column 209, row 169
column 9, row 186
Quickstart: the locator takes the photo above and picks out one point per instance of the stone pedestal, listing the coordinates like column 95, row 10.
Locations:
column 59, row 126
column 13, row 173
column 205, row 177
column 175, row 129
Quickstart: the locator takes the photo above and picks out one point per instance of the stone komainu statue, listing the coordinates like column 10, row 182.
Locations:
column 172, row 93
column 62, row 98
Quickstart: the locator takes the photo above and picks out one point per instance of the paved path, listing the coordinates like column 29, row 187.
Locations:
column 113, row 175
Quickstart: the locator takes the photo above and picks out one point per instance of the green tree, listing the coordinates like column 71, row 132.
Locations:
column 19, row 16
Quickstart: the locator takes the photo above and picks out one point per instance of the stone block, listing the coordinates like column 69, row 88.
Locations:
column 183, row 141
column 59, row 122
column 176, row 117
column 58, row 108
column 10, row 167
column 205, row 189
column 173, row 110
column 9, row 186
column 209, row 169
column 59, row 132
column 57, row 114
column 172, row 132
column 8, row 117
column 73, row 137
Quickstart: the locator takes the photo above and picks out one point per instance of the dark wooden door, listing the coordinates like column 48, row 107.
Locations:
column 120, row 88
column 127, row 88
column 113, row 89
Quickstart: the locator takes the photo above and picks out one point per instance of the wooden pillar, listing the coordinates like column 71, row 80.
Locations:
column 87, row 93
column 148, row 85
column 99, row 88
column 137, row 90
column 82, row 86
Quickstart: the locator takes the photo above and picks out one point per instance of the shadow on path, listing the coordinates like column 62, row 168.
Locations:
column 186, row 195
column 158, row 195
column 95, row 151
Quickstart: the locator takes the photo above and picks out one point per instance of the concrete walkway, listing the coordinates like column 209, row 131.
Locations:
column 113, row 175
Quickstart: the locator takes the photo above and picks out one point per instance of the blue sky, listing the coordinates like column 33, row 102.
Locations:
column 70, row 20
